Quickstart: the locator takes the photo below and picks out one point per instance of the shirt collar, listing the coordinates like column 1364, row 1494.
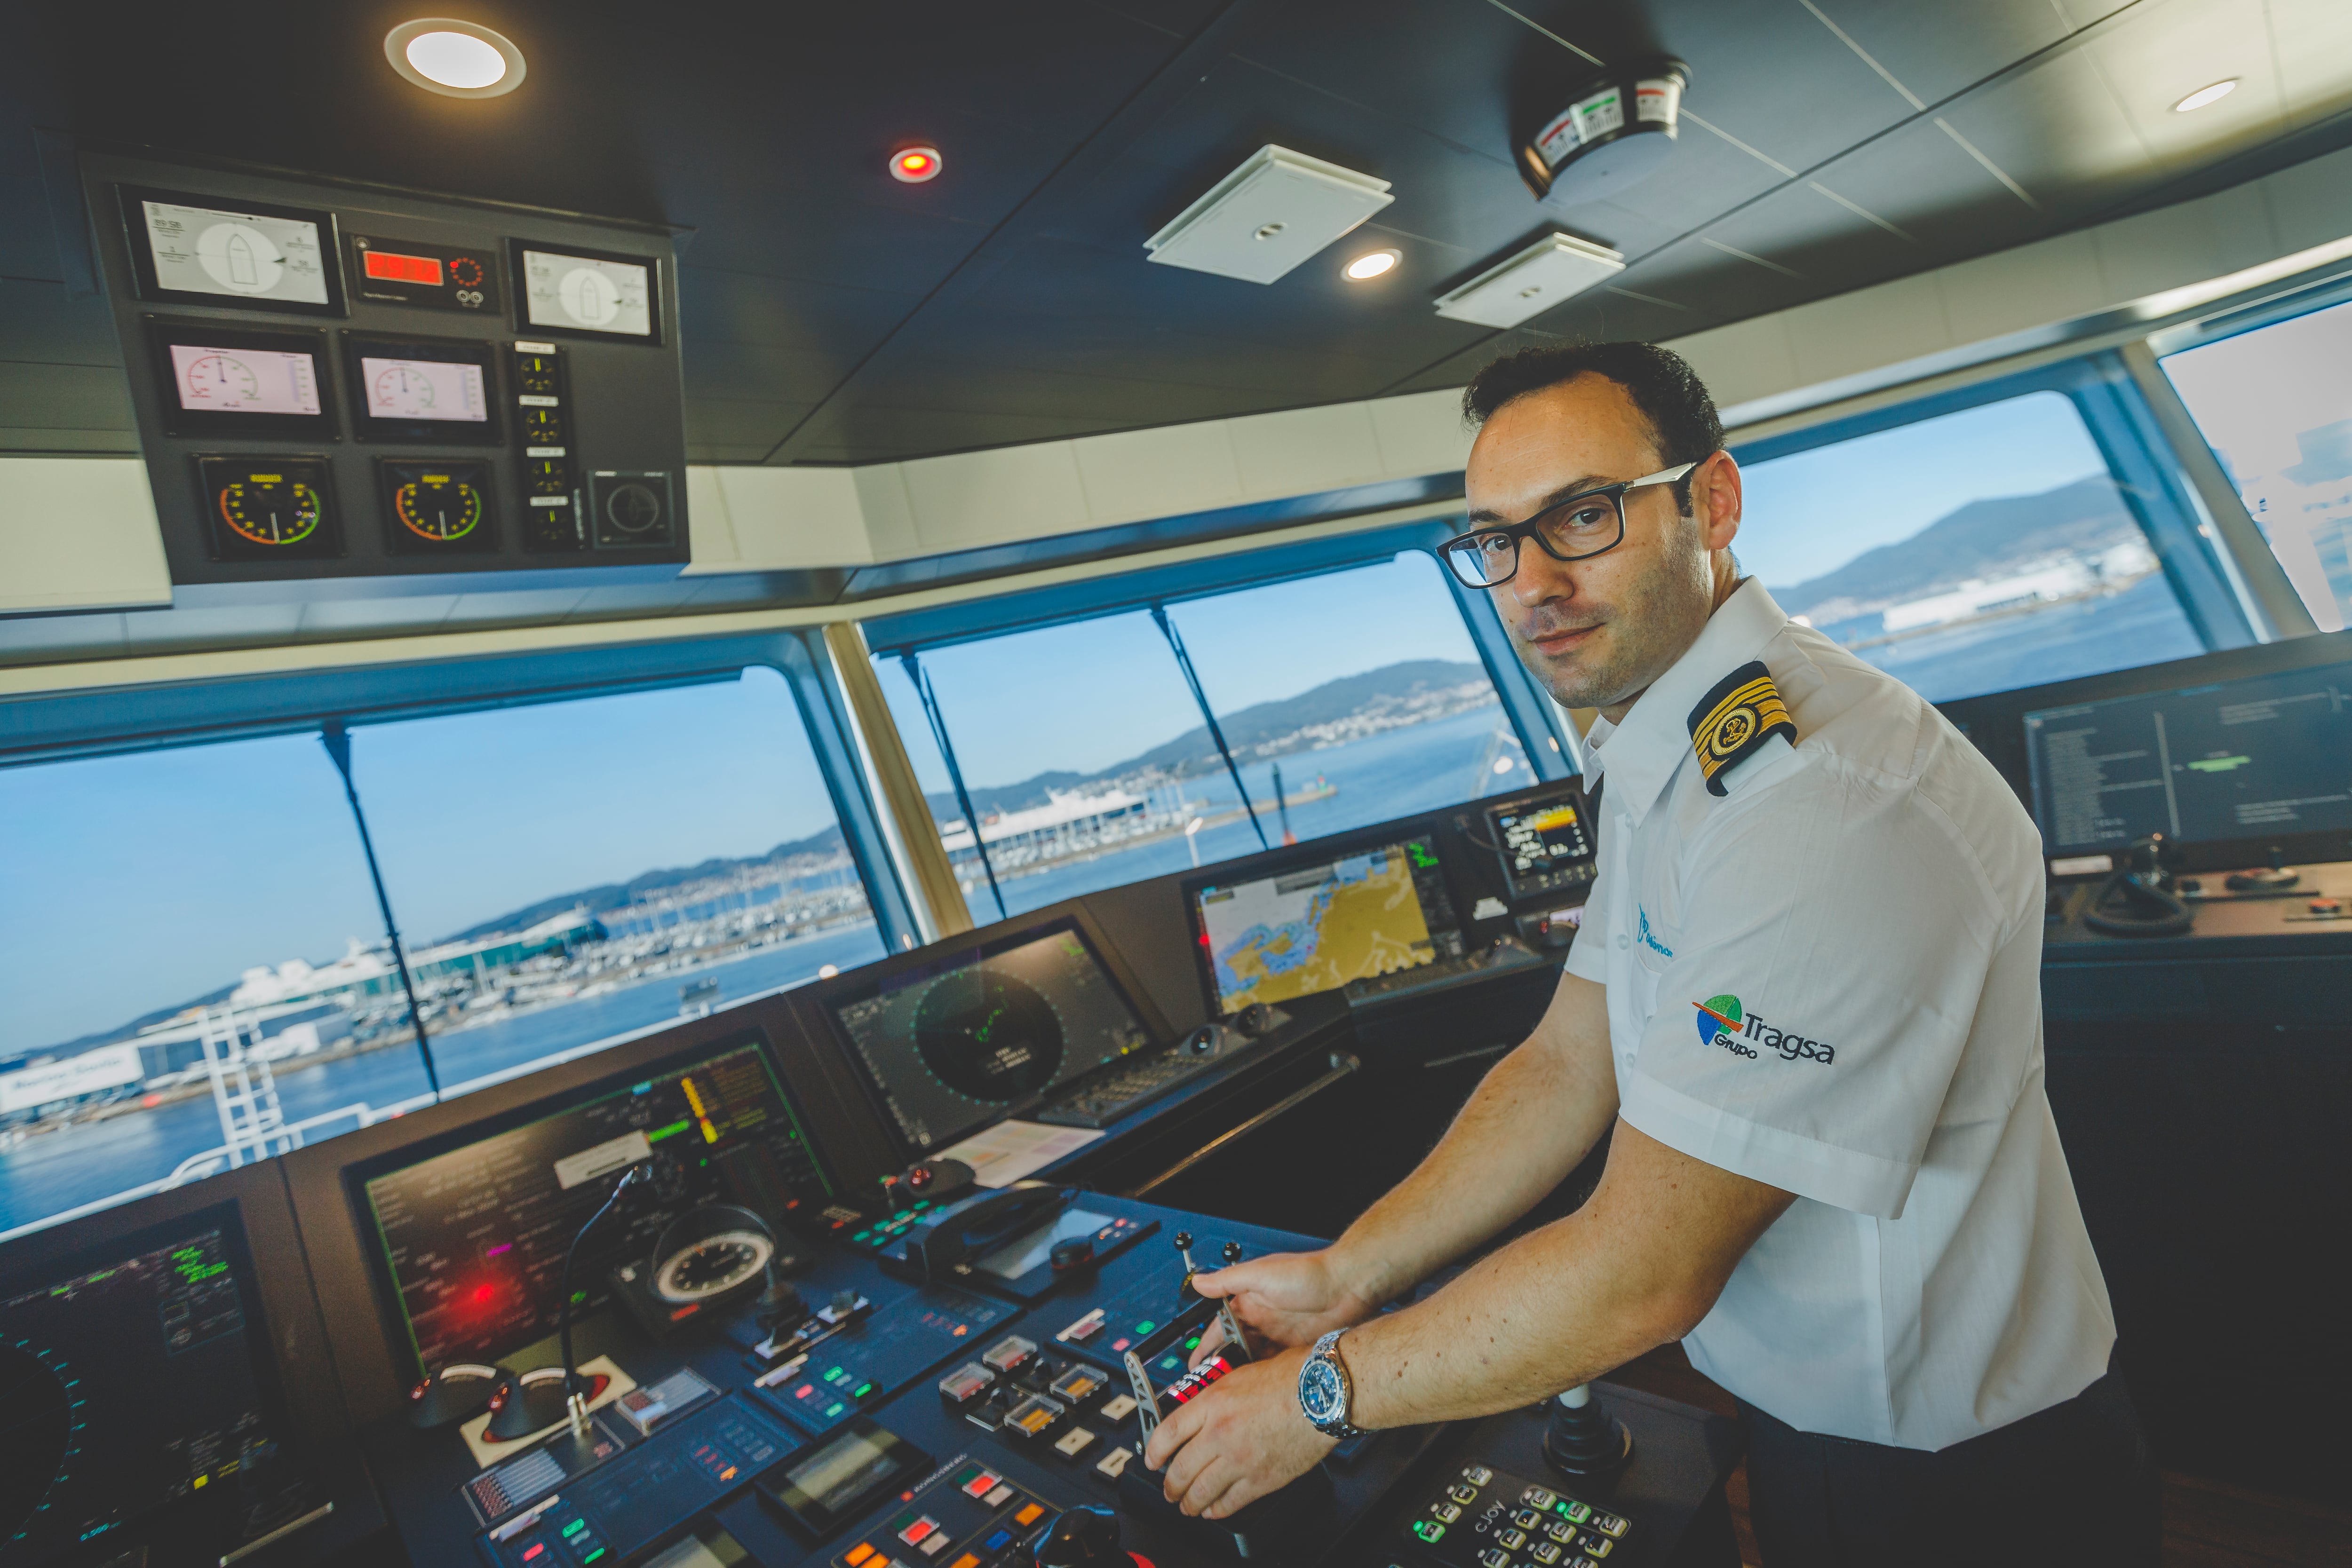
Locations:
column 1640, row 753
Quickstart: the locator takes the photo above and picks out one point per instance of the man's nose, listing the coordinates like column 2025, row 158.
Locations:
column 1539, row 579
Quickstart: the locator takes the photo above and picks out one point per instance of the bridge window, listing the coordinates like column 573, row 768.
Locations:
column 1089, row 764
column 2276, row 404
column 1971, row 552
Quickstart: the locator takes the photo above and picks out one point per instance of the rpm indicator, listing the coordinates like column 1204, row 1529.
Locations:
column 263, row 507
column 435, row 507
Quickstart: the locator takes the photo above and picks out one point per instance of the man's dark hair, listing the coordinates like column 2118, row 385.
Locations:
column 1661, row 384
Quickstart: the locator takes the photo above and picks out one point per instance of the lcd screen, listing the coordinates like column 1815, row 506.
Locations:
column 236, row 254
column 838, row 1472
column 587, row 294
column 245, row 381
column 423, row 389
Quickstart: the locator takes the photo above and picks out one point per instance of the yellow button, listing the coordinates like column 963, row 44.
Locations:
column 859, row 1553
column 1029, row 1515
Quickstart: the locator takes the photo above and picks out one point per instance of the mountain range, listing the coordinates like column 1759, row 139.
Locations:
column 1976, row 540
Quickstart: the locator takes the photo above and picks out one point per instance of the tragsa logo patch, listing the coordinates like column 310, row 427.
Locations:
column 1722, row 1021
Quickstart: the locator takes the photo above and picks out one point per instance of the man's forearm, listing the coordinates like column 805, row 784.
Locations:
column 1532, row 1120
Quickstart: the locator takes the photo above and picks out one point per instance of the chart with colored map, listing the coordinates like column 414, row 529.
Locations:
column 1316, row 928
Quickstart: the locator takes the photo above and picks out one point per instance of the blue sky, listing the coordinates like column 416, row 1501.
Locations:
column 140, row 882
column 1815, row 511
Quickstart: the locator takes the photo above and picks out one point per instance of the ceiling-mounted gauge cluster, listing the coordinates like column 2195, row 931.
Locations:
column 1613, row 130
column 487, row 389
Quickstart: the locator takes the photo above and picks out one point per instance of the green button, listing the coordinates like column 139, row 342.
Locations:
column 835, row 1408
column 575, row 1526
column 1429, row 1529
column 863, row 1390
column 1575, row 1512
column 862, row 1235
column 1146, row 1326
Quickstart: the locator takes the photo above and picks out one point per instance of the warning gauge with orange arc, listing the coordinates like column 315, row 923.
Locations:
column 261, row 508
column 435, row 506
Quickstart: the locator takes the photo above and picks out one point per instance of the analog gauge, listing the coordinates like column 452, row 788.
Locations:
column 542, row 426
column 441, row 507
column 219, row 381
column 402, row 392
column 273, row 509
column 632, row 509
column 711, row 1265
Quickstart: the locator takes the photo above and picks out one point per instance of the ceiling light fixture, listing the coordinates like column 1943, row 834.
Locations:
column 455, row 59
column 914, row 165
column 1371, row 264
column 2205, row 95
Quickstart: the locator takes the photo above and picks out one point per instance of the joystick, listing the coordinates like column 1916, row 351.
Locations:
column 1083, row 1537
column 2274, row 878
column 1583, row 1438
column 781, row 1306
column 1233, row 1253
column 1255, row 1020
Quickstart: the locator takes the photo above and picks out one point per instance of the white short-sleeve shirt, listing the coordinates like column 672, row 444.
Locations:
column 1828, row 980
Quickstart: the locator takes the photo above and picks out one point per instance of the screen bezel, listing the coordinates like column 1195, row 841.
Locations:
column 814, row 1517
column 365, row 426
column 399, row 1338
column 398, row 541
column 143, row 258
column 824, row 997
column 163, row 331
column 519, row 280
column 1314, row 852
column 295, row 1370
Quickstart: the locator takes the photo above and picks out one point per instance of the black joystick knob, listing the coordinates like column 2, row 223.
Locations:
column 1233, row 1253
column 1583, row 1438
column 843, row 1303
column 781, row 1306
column 1082, row 1538
column 1072, row 1252
column 1255, row 1020
column 1183, row 1241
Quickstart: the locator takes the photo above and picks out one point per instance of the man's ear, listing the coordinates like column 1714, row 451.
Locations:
column 1716, row 499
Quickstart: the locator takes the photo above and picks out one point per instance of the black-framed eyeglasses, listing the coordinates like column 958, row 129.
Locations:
column 1587, row 524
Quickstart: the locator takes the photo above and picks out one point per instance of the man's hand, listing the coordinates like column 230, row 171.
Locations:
column 1284, row 1299
column 1241, row 1438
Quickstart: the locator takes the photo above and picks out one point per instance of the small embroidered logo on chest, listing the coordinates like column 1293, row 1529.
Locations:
column 1733, row 720
column 1649, row 940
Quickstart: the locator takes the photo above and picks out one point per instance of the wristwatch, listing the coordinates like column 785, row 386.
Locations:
column 1324, row 1391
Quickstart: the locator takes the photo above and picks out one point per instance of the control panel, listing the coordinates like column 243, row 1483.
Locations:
column 332, row 383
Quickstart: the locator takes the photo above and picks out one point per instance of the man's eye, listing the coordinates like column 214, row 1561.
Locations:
column 1585, row 519
column 1494, row 544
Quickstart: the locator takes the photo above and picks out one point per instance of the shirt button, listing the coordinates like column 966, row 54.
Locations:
column 1623, row 940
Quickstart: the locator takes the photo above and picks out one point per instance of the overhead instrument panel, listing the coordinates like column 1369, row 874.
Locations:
column 501, row 389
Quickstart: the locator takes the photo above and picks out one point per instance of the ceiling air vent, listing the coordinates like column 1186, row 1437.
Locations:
column 1531, row 282
column 1268, row 216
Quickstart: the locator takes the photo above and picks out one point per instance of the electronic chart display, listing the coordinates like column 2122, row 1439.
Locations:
column 579, row 292
column 134, row 1382
column 2269, row 755
column 956, row 1044
column 472, row 1240
column 208, row 251
column 1314, row 928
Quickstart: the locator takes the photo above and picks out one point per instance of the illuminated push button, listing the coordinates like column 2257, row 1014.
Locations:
column 998, row 1498
column 1526, row 1519
column 1513, row 1538
column 915, row 1533
column 1537, row 1497
column 1594, row 1546
column 1429, row 1529
column 1462, row 1494
column 1477, row 1475
column 1575, row 1512
column 1444, row 1512
column 856, row 1555
column 1607, row 1523
column 977, row 1482
column 1546, row 1552
column 1559, row 1530
column 1495, row 1557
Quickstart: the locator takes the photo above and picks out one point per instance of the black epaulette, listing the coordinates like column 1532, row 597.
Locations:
column 1735, row 719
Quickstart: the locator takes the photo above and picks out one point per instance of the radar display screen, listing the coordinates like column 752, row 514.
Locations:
column 263, row 509
column 132, row 1385
column 472, row 1240
column 1314, row 929
column 216, row 379
column 588, row 294
column 2256, row 758
column 435, row 507
column 956, row 1044
column 203, row 250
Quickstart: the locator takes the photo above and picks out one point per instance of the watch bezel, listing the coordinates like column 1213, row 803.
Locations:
column 1331, row 1380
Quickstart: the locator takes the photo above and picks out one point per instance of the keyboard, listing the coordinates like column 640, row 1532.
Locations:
column 1507, row 955
column 1137, row 1084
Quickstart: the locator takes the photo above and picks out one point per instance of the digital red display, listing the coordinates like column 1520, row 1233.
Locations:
column 393, row 267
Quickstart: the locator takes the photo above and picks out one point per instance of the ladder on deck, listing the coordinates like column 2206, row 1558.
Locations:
column 244, row 1092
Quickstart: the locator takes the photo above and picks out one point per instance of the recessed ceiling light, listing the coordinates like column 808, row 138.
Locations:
column 1371, row 264
column 2205, row 95
column 914, row 164
column 455, row 59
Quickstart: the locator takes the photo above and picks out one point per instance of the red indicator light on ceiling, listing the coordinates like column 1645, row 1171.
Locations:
column 914, row 164
column 393, row 267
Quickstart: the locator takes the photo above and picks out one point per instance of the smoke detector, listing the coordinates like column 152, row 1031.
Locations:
column 1266, row 217
column 1614, row 131
column 1530, row 282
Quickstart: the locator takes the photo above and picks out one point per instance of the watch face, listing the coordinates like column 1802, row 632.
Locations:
column 1319, row 1391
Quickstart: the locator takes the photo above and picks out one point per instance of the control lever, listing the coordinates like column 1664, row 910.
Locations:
column 1583, row 1438
column 1083, row 1537
column 1147, row 1398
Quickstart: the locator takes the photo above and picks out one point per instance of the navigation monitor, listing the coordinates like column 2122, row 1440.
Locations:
column 587, row 292
column 135, row 1382
column 216, row 379
column 957, row 1042
column 421, row 390
column 472, row 1240
column 2266, row 756
column 1314, row 928
column 206, row 250
column 1542, row 842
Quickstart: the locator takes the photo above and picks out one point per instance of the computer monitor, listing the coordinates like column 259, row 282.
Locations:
column 1317, row 925
column 470, row 1239
column 2263, row 757
column 950, row 1044
column 142, row 1400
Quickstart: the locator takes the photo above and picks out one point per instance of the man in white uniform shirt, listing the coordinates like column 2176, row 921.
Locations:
column 1806, row 995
